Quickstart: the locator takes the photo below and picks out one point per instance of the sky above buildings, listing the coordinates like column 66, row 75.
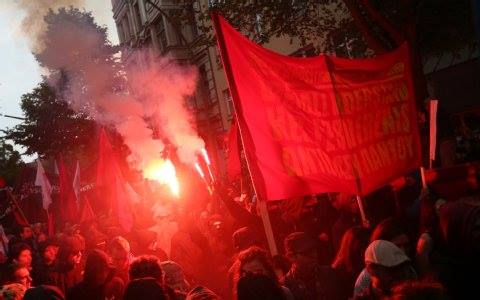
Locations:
column 19, row 72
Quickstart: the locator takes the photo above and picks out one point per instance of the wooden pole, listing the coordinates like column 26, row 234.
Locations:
column 433, row 132
column 365, row 221
column 424, row 180
column 262, row 204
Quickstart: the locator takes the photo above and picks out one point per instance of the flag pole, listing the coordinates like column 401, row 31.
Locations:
column 262, row 204
column 433, row 131
column 433, row 107
column 422, row 174
column 365, row 221
column 17, row 206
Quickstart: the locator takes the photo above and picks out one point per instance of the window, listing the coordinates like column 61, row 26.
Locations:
column 161, row 34
column 229, row 101
column 204, row 84
column 126, row 28
column 193, row 20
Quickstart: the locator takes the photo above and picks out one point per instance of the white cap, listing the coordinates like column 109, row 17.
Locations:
column 384, row 253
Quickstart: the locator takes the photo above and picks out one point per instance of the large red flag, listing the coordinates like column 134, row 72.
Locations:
column 68, row 203
column 111, row 181
column 320, row 124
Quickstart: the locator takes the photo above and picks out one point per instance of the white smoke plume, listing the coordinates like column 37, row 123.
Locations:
column 81, row 65
column 33, row 25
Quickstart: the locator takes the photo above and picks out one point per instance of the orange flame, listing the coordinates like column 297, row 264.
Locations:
column 163, row 171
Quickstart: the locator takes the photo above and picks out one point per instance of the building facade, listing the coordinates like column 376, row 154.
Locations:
column 148, row 25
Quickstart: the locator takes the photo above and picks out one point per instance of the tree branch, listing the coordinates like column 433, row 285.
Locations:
column 382, row 21
column 367, row 32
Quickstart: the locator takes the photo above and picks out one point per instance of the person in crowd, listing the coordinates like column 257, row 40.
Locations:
column 393, row 230
column 98, row 281
column 429, row 238
column 24, row 235
column 201, row 293
column 388, row 265
column 259, row 287
column 390, row 229
column 67, row 270
column 307, row 279
column 191, row 250
column 244, row 238
column 165, row 228
column 281, row 265
column 255, row 260
column 146, row 266
column 416, row 290
column 17, row 273
column 349, row 261
column 44, row 265
column 459, row 224
column 347, row 208
column 119, row 250
column 13, row 291
column 145, row 289
column 94, row 238
column 39, row 233
column 21, row 253
column 44, row 292
column 173, row 276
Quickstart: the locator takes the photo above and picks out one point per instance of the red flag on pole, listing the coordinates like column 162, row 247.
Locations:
column 321, row 124
column 87, row 212
column 110, row 179
column 68, row 205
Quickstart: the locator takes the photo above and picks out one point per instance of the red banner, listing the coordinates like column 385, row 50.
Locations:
column 321, row 124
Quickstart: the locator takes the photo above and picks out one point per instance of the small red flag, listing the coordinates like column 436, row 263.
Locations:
column 68, row 205
column 87, row 211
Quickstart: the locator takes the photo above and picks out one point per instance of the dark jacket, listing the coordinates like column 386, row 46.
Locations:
column 322, row 283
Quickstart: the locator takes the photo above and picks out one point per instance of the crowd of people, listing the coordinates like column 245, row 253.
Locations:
column 325, row 251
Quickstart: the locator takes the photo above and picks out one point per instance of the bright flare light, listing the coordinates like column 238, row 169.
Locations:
column 205, row 156
column 199, row 170
column 207, row 161
column 202, row 175
column 163, row 171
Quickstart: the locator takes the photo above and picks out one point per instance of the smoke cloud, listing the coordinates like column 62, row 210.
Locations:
column 82, row 67
column 33, row 25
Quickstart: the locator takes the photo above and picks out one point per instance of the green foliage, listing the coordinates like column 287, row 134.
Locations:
column 50, row 127
column 440, row 25
column 10, row 162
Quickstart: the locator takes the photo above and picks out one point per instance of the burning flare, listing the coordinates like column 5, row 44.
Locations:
column 163, row 171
